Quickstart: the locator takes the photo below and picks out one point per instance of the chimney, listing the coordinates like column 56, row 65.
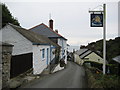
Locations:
column 51, row 23
column 56, row 31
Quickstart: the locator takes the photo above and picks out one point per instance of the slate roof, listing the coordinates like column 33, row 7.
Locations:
column 117, row 59
column 85, row 52
column 46, row 31
column 81, row 51
column 33, row 37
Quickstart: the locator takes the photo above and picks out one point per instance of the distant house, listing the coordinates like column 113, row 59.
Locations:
column 30, row 49
column 43, row 29
column 88, row 55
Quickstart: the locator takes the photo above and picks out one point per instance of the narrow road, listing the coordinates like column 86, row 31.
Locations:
column 71, row 77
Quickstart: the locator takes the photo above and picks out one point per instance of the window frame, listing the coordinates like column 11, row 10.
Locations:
column 43, row 54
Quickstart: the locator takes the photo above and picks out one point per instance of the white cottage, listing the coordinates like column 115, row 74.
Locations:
column 83, row 55
column 30, row 49
column 43, row 29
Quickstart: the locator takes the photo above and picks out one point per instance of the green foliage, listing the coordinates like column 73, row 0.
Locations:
column 95, row 64
column 107, row 81
column 98, row 80
column 112, row 48
column 7, row 17
column 114, row 68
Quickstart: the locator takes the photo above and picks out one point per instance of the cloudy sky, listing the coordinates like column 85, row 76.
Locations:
column 71, row 18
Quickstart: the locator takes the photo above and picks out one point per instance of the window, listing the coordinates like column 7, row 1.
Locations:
column 43, row 53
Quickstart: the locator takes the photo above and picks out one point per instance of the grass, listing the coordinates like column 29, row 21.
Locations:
column 107, row 81
column 98, row 80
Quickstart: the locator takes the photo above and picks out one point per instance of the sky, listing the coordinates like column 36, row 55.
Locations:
column 71, row 18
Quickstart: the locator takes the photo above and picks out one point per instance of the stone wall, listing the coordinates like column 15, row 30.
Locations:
column 6, row 58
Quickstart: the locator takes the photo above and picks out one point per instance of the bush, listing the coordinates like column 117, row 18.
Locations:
column 114, row 69
column 108, row 81
column 94, row 64
column 103, row 81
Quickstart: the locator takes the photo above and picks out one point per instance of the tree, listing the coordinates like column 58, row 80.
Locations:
column 82, row 46
column 112, row 48
column 7, row 17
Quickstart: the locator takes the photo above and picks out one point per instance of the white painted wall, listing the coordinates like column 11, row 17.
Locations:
column 63, row 44
column 21, row 44
column 94, row 57
column 39, row 63
column 91, row 57
column 77, row 59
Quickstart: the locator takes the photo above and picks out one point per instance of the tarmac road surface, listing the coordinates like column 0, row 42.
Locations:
column 73, row 76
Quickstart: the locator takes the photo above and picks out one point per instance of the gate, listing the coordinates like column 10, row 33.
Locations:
column 20, row 64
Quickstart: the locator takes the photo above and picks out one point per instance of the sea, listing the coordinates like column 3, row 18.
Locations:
column 71, row 48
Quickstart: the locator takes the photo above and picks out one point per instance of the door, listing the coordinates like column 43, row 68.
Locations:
column 47, row 56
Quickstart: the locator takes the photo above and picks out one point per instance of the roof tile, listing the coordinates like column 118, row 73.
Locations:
column 46, row 31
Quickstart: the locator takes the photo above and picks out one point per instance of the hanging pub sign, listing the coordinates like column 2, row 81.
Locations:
column 96, row 20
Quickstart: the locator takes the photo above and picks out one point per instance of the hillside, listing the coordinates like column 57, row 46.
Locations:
column 112, row 48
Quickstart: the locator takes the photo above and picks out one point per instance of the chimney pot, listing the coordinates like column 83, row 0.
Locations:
column 51, row 23
column 56, row 31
